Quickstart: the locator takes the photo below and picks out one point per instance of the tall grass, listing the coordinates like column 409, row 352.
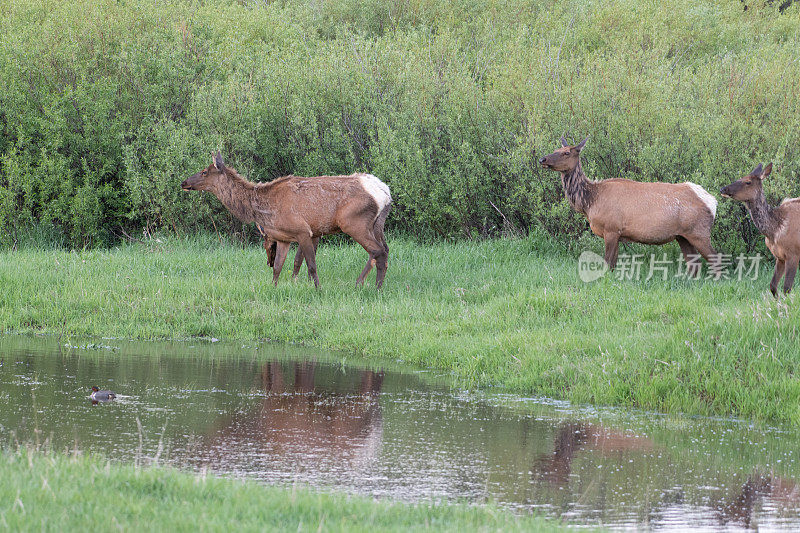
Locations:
column 511, row 313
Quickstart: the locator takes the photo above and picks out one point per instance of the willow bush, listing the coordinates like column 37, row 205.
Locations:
column 106, row 105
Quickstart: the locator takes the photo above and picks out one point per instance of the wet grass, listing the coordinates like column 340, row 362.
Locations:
column 53, row 492
column 509, row 313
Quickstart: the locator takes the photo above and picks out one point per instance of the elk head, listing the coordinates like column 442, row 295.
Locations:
column 565, row 158
column 749, row 187
column 205, row 179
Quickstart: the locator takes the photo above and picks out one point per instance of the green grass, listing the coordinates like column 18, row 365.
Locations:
column 51, row 492
column 509, row 313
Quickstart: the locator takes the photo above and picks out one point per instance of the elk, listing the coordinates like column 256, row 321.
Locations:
column 779, row 225
column 302, row 209
column 621, row 210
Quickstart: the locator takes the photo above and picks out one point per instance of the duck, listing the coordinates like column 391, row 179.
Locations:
column 102, row 395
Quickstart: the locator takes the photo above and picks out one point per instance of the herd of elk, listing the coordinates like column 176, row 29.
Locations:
column 303, row 209
column 300, row 209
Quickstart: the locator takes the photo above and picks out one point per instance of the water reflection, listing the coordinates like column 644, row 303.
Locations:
column 300, row 422
column 572, row 437
column 277, row 415
column 783, row 493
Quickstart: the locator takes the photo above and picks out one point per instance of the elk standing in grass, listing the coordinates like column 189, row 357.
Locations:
column 621, row 210
column 779, row 225
column 299, row 209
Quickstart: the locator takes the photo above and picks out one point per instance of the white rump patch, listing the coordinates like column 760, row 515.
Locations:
column 710, row 201
column 377, row 189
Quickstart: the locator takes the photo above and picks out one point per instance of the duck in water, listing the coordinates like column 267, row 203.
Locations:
column 102, row 395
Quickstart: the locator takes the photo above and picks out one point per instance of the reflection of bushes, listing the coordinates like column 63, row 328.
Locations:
column 106, row 106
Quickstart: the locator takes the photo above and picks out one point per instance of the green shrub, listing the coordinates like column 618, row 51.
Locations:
column 107, row 105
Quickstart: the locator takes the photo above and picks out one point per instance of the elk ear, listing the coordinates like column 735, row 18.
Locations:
column 756, row 171
column 218, row 162
column 564, row 142
column 580, row 146
column 766, row 171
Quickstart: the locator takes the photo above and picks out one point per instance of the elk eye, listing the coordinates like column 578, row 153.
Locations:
column 566, row 153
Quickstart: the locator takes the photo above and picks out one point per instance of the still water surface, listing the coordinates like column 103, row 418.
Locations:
column 280, row 415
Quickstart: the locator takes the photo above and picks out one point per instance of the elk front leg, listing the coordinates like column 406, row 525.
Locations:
column 281, row 249
column 791, row 270
column 298, row 258
column 776, row 277
column 612, row 249
column 307, row 247
column 269, row 246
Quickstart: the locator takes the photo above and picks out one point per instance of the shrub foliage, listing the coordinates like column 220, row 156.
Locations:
column 106, row 105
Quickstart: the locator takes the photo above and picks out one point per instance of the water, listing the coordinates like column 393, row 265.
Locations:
column 280, row 416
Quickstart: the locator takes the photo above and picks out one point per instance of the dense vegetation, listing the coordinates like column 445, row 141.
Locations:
column 47, row 492
column 107, row 104
column 507, row 312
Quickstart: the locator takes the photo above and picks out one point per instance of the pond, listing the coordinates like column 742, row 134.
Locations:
column 283, row 415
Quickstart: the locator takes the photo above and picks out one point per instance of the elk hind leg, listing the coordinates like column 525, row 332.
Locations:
column 791, row 270
column 377, row 258
column 780, row 267
column 703, row 245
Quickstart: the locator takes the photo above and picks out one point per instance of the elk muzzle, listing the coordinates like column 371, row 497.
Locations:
column 726, row 192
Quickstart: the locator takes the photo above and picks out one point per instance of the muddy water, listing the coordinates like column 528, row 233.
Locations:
column 280, row 415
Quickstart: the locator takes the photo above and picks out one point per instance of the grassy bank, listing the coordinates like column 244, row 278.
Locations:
column 45, row 492
column 508, row 312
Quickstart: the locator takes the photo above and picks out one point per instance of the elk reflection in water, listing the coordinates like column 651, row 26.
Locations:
column 784, row 493
column 300, row 423
column 571, row 437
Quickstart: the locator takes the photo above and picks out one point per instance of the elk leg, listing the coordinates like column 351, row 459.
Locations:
column 298, row 262
column 612, row 249
column 365, row 272
column 689, row 254
column 383, row 264
column 307, row 247
column 298, row 259
column 791, row 270
column 270, row 246
column 776, row 276
column 281, row 249
column 378, row 258
column 703, row 245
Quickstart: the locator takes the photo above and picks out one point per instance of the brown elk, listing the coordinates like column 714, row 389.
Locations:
column 779, row 225
column 302, row 209
column 621, row 210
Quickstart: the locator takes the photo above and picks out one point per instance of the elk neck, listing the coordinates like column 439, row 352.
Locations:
column 240, row 197
column 764, row 217
column 577, row 188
